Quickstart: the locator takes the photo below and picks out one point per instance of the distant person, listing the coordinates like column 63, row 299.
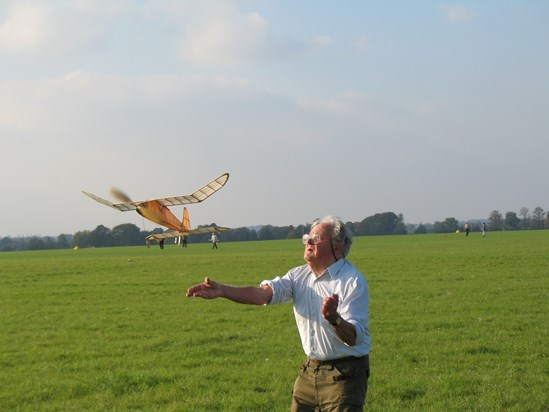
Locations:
column 330, row 299
column 483, row 229
column 214, row 241
column 161, row 243
column 466, row 229
column 184, row 241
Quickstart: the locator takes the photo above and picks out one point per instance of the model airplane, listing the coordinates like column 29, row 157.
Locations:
column 156, row 210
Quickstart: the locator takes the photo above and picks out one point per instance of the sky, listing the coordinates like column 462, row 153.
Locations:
column 430, row 109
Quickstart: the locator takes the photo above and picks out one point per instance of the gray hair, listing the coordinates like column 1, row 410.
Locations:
column 340, row 232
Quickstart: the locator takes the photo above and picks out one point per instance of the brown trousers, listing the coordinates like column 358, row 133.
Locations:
column 338, row 385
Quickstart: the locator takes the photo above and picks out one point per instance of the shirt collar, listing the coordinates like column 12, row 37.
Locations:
column 336, row 267
column 333, row 269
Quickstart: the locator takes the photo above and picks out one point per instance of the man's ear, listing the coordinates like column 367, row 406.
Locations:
column 338, row 250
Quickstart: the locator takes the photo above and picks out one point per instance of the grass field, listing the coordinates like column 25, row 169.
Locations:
column 458, row 324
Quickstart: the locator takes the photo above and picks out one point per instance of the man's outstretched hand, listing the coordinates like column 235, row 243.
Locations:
column 206, row 290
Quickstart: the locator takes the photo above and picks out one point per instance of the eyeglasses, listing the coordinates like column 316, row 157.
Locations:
column 313, row 240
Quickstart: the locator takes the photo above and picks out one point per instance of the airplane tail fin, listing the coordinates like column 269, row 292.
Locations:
column 186, row 221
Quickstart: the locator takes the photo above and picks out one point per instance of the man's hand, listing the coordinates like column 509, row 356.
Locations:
column 344, row 330
column 329, row 308
column 206, row 290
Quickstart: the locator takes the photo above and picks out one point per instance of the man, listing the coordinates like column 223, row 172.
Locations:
column 330, row 298
column 213, row 239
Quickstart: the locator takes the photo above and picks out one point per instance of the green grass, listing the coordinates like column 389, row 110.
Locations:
column 457, row 324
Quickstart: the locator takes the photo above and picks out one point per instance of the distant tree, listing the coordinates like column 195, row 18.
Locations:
column 36, row 243
column 349, row 225
column 449, row 225
column 410, row 227
column 546, row 221
column 7, row 244
column 101, row 237
column 400, row 226
column 536, row 221
column 127, row 234
column 387, row 223
column 281, row 232
column 240, row 234
column 295, row 232
column 421, row 229
column 49, row 243
column 495, row 221
column 475, row 226
column 524, row 213
column 266, row 233
column 438, row 227
column 62, row 242
column 81, row 239
column 512, row 222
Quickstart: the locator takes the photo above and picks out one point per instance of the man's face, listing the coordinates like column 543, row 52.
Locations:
column 319, row 244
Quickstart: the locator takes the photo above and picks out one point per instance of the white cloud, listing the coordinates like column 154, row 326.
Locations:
column 26, row 28
column 119, row 111
column 457, row 13
column 204, row 32
column 324, row 41
column 228, row 37
column 36, row 28
column 222, row 40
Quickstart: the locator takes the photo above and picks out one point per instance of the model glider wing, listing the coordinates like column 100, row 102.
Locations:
column 198, row 231
column 123, row 207
column 201, row 194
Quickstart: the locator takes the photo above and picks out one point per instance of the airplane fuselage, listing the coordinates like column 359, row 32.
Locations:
column 158, row 213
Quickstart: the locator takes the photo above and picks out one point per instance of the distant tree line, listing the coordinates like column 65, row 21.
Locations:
column 387, row 223
column 8, row 244
column 538, row 219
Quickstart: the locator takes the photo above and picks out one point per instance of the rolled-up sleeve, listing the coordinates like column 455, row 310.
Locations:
column 282, row 288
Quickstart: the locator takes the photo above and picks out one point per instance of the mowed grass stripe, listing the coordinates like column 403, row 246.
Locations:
column 458, row 324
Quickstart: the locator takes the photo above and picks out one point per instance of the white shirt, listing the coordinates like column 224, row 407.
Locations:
column 307, row 292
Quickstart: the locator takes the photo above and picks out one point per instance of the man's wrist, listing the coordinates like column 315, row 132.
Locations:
column 337, row 322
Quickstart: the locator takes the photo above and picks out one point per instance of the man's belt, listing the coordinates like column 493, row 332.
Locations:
column 316, row 362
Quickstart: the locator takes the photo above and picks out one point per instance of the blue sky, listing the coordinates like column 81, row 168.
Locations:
column 429, row 109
